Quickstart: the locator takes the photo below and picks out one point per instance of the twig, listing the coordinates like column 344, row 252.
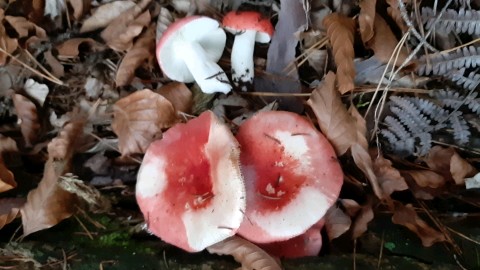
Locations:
column 84, row 227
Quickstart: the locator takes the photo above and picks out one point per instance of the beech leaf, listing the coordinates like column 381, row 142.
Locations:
column 24, row 28
column 139, row 118
column 80, row 7
column 179, row 95
column 8, row 44
column 360, row 224
column 29, row 122
column 336, row 222
column 426, row 178
column 389, row 178
column 406, row 216
column 105, row 14
column 7, row 179
column 246, row 253
column 460, row 169
column 70, row 48
column 9, row 210
column 366, row 19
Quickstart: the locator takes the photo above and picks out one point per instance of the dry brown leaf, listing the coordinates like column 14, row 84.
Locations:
column 49, row 204
column 366, row 19
column 56, row 67
column 70, row 48
column 105, row 14
column 120, row 33
column 351, row 207
column 246, row 253
column 426, row 178
column 340, row 31
column 9, row 210
column 332, row 116
column 164, row 20
column 24, row 28
column 384, row 42
column 395, row 13
column 27, row 113
column 360, row 224
column 389, row 178
column 139, row 118
column 7, row 44
column 336, row 222
column 179, row 95
column 143, row 50
column 80, row 8
column 360, row 127
column 7, row 179
column 406, row 216
column 364, row 162
column 461, row 169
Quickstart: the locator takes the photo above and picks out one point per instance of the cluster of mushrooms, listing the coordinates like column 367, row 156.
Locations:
column 190, row 47
column 271, row 183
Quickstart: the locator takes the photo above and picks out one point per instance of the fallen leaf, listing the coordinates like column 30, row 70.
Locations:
column 48, row 204
column 105, row 14
column 25, row 28
column 395, row 13
column 351, row 207
column 388, row 177
column 71, row 48
column 7, row 44
column 340, row 31
column 138, row 119
column 460, row 169
column 143, row 50
column 178, row 94
column 55, row 66
column 27, row 114
column 366, row 19
column 360, row 223
column 333, row 118
column 364, row 162
column 7, row 179
column 36, row 90
column 426, row 178
column 336, row 222
column 449, row 164
column 9, row 210
column 80, row 8
column 406, row 216
column 164, row 19
column 246, row 253
column 120, row 33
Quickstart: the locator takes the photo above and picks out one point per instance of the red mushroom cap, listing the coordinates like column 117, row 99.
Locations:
column 291, row 173
column 237, row 21
column 189, row 186
column 305, row 245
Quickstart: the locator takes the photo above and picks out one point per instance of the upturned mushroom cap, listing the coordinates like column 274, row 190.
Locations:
column 291, row 174
column 238, row 21
column 189, row 186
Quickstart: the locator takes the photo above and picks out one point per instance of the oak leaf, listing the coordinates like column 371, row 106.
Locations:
column 366, row 19
column 143, row 50
column 179, row 95
column 9, row 210
column 105, row 14
column 29, row 122
column 139, row 118
column 340, row 31
column 7, row 179
column 406, row 216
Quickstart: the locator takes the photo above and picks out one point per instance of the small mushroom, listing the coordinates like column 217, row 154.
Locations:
column 188, row 51
column 248, row 27
column 189, row 186
column 292, row 176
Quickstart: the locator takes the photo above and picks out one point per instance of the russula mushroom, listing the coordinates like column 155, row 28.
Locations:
column 292, row 176
column 248, row 27
column 189, row 186
column 188, row 51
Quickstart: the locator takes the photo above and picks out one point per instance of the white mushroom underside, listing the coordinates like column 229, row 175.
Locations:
column 225, row 212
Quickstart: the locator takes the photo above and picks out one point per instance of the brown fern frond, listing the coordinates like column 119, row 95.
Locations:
column 340, row 31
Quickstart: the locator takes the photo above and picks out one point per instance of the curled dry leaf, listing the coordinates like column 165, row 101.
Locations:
column 9, row 210
column 179, row 95
column 143, row 50
column 80, row 7
column 426, row 178
column 71, row 48
column 406, row 216
column 460, row 169
column 340, row 31
column 120, row 33
column 448, row 163
column 395, row 13
column 364, row 162
column 105, row 14
column 27, row 114
column 384, row 42
column 7, row 180
column 389, row 178
column 49, row 204
column 248, row 254
column 8, row 44
column 360, row 223
column 336, row 222
column 366, row 19
column 139, row 118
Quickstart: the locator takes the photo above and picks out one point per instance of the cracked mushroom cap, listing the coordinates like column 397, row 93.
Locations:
column 189, row 186
column 292, row 176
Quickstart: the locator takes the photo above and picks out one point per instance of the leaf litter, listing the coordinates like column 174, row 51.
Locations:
column 104, row 92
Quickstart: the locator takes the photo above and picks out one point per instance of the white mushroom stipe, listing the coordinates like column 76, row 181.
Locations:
column 242, row 57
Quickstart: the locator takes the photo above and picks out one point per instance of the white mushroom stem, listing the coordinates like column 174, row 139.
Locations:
column 242, row 57
column 207, row 74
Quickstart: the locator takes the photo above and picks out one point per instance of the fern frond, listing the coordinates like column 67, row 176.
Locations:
column 443, row 63
column 461, row 132
column 461, row 21
column 470, row 82
column 412, row 117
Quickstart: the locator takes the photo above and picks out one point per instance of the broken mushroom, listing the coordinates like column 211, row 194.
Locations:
column 188, row 51
column 189, row 186
column 248, row 27
column 292, row 176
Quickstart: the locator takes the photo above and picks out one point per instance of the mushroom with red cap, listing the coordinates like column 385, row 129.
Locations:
column 189, row 186
column 292, row 176
column 188, row 51
column 248, row 27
